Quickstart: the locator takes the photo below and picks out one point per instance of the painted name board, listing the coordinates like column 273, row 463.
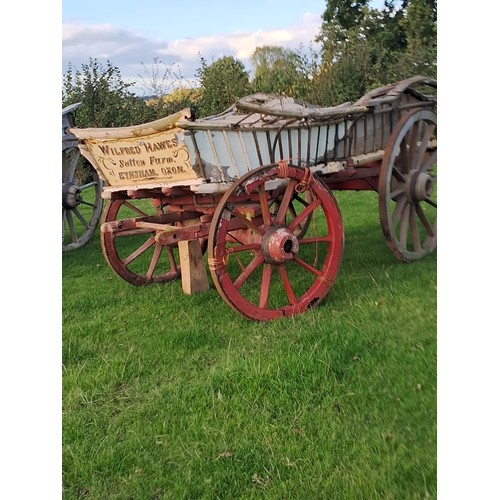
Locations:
column 154, row 158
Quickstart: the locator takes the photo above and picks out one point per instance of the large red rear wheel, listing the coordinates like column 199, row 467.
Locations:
column 275, row 242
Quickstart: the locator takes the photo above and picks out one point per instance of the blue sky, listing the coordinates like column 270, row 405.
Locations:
column 133, row 35
column 175, row 20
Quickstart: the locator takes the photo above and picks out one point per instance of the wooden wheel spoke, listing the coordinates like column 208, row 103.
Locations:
column 72, row 230
column 424, row 220
column 247, row 222
column 238, row 260
column 300, row 200
column 432, row 203
column 412, row 153
column 267, row 271
column 266, row 214
column 254, row 264
column 232, row 238
column 285, row 202
column 81, row 218
column 307, row 266
column 138, row 251
column 403, row 228
column 397, row 192
column 314, row 240
column 243, row 247
column 400, row 205
column 93, row 205
column 88, row 185
column 171, row 258
column 154, row 261
column 134, row 208
column 292, row 211
column 303, row 215
column 415, row 233
column 422, row 149
column 398, row 175
column 287, row 285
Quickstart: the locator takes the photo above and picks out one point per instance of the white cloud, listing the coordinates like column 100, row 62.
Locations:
column 129, row 50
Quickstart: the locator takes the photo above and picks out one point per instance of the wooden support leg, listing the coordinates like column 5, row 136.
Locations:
column 193, row 272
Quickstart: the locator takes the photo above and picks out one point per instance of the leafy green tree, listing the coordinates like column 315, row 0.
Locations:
column 278, row 70
column 344, row 79
column 341, row 19
column 222, row 83
column 420, row 25
column 105, row 97
column 176, row 100
column 347, row 14
column 345, row 52
column 363, row 48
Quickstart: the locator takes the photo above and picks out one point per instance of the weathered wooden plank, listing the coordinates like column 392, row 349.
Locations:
column 193, row 272
column 135, row 131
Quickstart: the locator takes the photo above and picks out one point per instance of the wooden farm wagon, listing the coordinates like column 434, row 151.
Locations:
column 253, row 186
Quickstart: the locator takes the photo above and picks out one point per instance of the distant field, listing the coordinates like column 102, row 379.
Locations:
column 173, row 396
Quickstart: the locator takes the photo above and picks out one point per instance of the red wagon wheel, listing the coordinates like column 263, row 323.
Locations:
column 133, row 253
column 408, row 187
column 272, row 263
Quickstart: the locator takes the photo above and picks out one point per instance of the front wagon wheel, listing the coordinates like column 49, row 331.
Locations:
column 267, row 261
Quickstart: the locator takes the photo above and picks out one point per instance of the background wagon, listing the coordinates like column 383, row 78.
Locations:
column 254, row 185
column 81, row 189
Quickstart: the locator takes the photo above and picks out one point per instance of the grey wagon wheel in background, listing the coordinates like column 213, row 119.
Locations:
column 408, row 187
column 81, row 199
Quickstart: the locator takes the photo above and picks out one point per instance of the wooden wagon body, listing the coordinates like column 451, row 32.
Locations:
column 255, row 183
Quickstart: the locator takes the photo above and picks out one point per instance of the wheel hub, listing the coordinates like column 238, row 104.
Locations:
column 71, row 196
column 278, row 245
column 421, row 186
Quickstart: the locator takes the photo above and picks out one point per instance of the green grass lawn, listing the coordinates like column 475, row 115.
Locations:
column 167, row 395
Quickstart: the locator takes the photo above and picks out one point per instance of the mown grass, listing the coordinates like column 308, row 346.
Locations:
column 173, row 396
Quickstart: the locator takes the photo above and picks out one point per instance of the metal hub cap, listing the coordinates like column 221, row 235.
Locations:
column 279, row 245
column 421, row 186
column 71, row 197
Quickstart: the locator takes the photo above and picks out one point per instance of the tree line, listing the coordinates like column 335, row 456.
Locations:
column 360, row 48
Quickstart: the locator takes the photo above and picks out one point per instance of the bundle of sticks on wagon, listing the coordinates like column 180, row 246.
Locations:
column 253, row 187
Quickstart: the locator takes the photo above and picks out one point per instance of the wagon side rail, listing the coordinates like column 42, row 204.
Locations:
column 390, row 94
column 166, row 123
column 302, row 110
